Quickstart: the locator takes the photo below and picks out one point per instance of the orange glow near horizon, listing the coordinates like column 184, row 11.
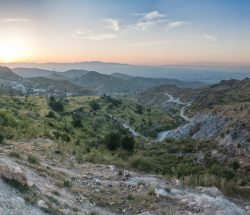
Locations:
column 13, row 51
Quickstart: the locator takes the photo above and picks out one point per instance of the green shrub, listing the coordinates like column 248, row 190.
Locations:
column 77, row 123
column 141, row 163
column 51, row 114
column 57, row 106
column 112, row 141
column 1, row 138
column 15, row 155
column 32, row 159
column 94, row 106
column 128, row 143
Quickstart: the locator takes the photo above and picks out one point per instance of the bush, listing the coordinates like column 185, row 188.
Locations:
column 1, row 138
column 112, row 141
column 140, row 163
column 94, row 105
column 15, row 155
column 139, row 109
column 56, row 105
column 77, row 123
column 128, row 143
column 51, row 114
column 32, row 159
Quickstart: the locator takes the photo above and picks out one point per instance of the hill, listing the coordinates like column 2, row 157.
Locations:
column 81, row 147
column 102, row 83
column 158, row 96
column 230, row 92
column 74, row 74
column 144, row 83
column 32, row 72
column 105, row 83
column 202, row 73
column 45, row 86
column 7, row 74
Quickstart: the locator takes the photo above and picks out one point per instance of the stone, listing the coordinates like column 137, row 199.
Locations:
column 11, row 171
column 41, row 204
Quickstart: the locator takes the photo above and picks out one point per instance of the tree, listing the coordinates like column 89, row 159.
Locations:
column 56, row 105
column 1, row 138
column 94, row 105
column 51, row 114
column 77, row 123
column 112, row 141
column 139, row 109
column 128, row 142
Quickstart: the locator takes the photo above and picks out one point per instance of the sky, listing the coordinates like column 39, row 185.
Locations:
column 149, row 32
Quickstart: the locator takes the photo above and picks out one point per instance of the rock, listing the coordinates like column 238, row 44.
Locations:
column 212, row 191
column 41, row 204
column 126, row 174
column 160, row 193
column 11, row 171
column 247, row 208
column 177, row 183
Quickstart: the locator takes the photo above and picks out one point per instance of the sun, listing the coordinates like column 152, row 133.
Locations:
column 12, row 51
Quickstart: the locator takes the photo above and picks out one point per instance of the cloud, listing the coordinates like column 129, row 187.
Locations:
column 149, row 19
column 153, row 15
column 209, row 37
column 16, row 20
column 101, row 36
column 91, row 36
column 112, row 24
column 176, row 24
column 152, row 43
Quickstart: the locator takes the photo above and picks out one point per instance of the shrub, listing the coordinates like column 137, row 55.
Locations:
column 1, row 138
column 15, row 155
column 112, row 141
column 51, row 114
column 94, row 105
column 235, row 165
column 32, row 159
column 139, row 109
column 128, row 142
column 56, row 105
column 140, row 163
column 77, row 123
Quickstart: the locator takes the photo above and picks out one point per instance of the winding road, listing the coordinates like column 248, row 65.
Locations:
column 171, row 133
column 179, row 102
column 164, row 134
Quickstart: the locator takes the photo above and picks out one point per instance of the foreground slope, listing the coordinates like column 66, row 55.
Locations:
column 62, row 150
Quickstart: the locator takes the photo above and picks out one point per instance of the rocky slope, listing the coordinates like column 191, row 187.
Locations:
column 66, row 187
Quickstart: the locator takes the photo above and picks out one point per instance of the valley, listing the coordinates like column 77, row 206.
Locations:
column 81, row 142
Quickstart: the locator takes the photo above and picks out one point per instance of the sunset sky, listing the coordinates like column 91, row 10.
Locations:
column 157, row 32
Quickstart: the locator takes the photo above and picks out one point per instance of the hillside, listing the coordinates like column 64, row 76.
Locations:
column 105, row 83
column 218, row 113
column 145, row 83
column 231, row 92
column 74, row 74
column 101, row 83
column 45, row 86
column 79, row 150
column 32, row 72
column 7, row 74
column 201, row 73
column 156, row 96
column 224, row 109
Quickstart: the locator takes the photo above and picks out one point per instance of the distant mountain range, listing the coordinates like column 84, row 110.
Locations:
column 103, row 83
column 207, row 74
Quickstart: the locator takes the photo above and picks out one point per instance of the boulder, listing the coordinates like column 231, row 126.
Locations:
column 41, row 204
column 11, row 171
